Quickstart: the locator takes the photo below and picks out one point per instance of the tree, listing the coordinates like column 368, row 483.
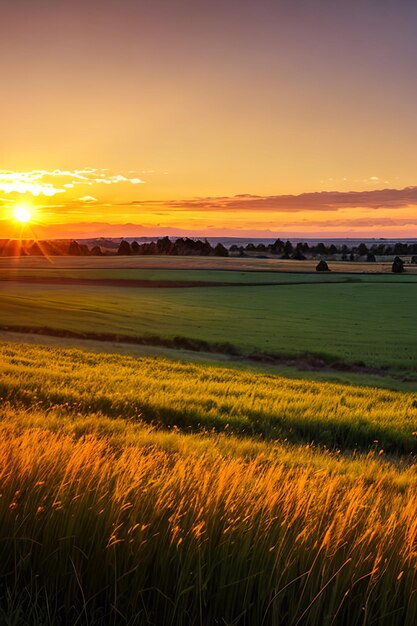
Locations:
column 322, row 266
column 73, row 249
column 135, row 247
column 298, row 255
column 321, row 248
column 370, row 258
column 398, row 265
column 220, row 250
column 124, row 248
column 401, row 248
column 277, row 247
column 96, row 251
column 288, row 248
column 164, row 245
column 362, row 249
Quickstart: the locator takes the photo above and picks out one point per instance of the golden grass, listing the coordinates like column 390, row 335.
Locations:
column 177, row 539
column 105, row 519
column 196, row 397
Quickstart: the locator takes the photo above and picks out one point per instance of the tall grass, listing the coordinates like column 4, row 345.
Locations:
column 109, row 517
column 196, row 397
column 90, row 535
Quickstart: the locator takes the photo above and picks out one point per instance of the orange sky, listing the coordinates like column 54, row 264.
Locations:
column 160, row 113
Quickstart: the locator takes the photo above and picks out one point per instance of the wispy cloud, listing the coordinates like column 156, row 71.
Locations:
column 87, row 199
column 360, row 222
column 317, row 201
column 52, row 182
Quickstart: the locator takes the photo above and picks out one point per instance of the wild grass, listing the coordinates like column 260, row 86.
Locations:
column 117, row 507
column 95, row 536
column 201, row 398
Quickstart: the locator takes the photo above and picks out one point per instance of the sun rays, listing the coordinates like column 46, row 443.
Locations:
column 22, row 214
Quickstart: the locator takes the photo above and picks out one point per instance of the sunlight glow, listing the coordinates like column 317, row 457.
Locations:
column 22, row 214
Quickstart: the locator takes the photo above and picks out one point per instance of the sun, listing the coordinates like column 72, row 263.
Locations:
column 22, row 214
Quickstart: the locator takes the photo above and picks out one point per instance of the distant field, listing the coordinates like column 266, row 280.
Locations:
column 371, row 321
column 194, row 275
column 197, row 263
column 169, row 493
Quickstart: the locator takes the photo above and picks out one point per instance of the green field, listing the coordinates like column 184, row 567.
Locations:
column 256, row 274
column 372, row 323
column 142, row 491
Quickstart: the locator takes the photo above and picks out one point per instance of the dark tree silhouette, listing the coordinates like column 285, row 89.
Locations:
column 398, row 265
column 298, row 255
column 288, row 248
column 322, row 266
column 74, row 249
column 220, row 250
column 124, row 248
column 164, row 245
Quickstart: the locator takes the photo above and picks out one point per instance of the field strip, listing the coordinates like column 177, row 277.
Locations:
column 164, row 284
column 217, row 351
column 197, row 398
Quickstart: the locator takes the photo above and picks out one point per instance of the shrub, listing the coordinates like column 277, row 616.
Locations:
column 322, row 266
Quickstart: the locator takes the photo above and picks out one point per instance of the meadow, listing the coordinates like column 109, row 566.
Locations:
column 206, row 488
column 200, row 398
column 371, row 323
column 140, row 491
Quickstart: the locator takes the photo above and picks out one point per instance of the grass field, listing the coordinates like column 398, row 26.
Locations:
column 205, row 489
column 198, row 397
column 140, row 491
column 192, row 263
column 220, row 273
column 372, row 323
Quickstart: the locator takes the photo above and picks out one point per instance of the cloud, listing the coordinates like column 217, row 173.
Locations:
column 26, row 182
column 317, row 201
column 88, row 199
column 52, row 182
column 360, row 222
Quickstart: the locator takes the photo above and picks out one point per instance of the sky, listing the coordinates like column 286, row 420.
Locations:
column 234, row 117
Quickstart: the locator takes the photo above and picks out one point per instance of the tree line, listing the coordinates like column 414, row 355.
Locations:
column 184, row 246
column 180, row 247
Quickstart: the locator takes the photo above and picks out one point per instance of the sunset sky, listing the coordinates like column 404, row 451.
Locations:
column 209, row 117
